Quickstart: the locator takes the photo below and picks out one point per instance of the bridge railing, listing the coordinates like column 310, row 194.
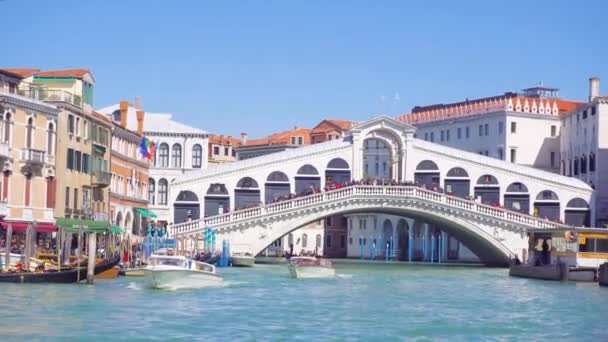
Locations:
column 365, row 191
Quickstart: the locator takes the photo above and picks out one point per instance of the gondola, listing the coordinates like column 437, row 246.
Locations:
column 65, row 276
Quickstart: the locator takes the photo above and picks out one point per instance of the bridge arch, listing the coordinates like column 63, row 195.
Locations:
column 517, row 197
column 379, row 158
column 246, row 193
column 427, row 173
column 307, row 179
column 487, row 190
column 277, row 185
column 402, row 244
column 337, row 171
column 186, row 207
column 547, row 205
column 217, row 200
column 457, row 182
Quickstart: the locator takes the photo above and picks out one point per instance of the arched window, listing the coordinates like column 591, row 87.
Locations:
column 457, row 172
column 592, row 162
column 7, row 128
column 247, row 182
column 517, row 187
column 304, row 240
column 176, row 156
column 308, row 170
column 583, row 164
column 163, row 189
column 151, row 191
column 163, row 155
column 577, row 203
column 30, row 132
column 338, row 163
column 487, row 180
column 427, row 165
column 547, row 195
column 318, row 242
column 197, row 156
column 277, row 176
column 50, row 139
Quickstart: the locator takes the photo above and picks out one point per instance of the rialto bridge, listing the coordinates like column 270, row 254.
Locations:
column 486, row 203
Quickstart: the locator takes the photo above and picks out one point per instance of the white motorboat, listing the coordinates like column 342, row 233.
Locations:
column 173, row 272
column 241, row 259
column 310, row 267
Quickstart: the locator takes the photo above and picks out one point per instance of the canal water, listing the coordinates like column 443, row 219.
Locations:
column 364, row 302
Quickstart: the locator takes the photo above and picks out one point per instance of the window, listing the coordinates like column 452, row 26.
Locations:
column 176, row 156
column 162, row 191
column 216, row 150
column 86, row 163
column 552, row 159
column 7, row 128
column 553, row 130
column 593, row 110
column 500, row 127
column 226, row 150
column 78, row 161
column 50, row 139
column 71, row 124
column 447, row 135
column 70, row 159
column 151, row 191
column 459, row 133
column 513, row 127
column 300, row 141
column 163, row 155
column 426, row 136
column 293, row 140
column 584, row 114
column 85, row 130
column 197, row 156
column 328, row 241
column 592, row 162
column 500, row 156
column 234, row 152
column 304, row 240
column 486, row 129
column 467, row 132
column 442, row 135
column 67, row 196
column 480, row 130
column 86, row 198
column 30, row 132
column 576, row 166
column 583, row 165
column 75, row 198
column 513, row 155
column 328, row 221
column 432, row 136
column 77, row 126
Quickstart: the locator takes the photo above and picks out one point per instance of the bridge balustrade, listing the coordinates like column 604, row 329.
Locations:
column 365, row 191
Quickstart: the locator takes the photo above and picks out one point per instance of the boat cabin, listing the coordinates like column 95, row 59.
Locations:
column 583, row 247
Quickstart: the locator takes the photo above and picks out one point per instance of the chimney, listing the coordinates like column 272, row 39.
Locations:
column 137, row 103
column 594, row 88
column 244, row 138
column 295, row 128
column 140, row 122
column 124, row 111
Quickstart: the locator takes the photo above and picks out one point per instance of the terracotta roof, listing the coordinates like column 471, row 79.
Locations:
column 281, row 138
column 20, row 72
column 100, row 117
column 343, row 125
column 76, row 73
column 224, row 140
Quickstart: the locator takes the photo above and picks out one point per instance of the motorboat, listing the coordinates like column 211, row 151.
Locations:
column 173, row 272
column 242, row 259
column 310, row 267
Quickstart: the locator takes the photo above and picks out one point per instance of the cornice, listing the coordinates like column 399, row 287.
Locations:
column 30, row 104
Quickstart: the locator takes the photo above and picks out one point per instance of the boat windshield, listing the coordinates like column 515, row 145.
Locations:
column 169, row 262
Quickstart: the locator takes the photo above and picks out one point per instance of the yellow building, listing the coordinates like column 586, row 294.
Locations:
column 27, row 154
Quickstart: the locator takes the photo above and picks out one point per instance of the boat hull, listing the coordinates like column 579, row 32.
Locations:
column 551, row 272
column 180, row 279
column 303, row 272
column 242, row 261
column 112, row 273
column 603, row 274
column 582, row 274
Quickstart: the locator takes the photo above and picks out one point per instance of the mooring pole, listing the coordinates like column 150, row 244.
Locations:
column 7, row 246
column 91, row 262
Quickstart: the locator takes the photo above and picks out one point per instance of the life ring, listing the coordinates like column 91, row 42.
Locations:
column 569, row 235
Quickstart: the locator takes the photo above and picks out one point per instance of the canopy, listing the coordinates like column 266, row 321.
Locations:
column 116, row 230
column 145, row 213
column 89, row 226
column 20, row 227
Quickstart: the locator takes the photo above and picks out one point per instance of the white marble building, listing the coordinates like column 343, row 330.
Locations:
column 179, row 149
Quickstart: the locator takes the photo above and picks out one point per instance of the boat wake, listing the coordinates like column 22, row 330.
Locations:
column 134, row 286
column 344, row 276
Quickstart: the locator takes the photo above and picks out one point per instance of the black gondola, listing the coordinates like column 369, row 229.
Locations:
column 67, row 276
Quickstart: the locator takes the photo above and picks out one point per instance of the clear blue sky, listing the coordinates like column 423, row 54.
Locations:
column 265, row 66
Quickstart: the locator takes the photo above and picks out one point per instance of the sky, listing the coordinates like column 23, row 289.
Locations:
column 266, row 66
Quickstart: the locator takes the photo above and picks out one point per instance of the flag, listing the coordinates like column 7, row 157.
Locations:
column 143, row 147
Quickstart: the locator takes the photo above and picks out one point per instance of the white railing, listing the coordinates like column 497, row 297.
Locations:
column 367, row 191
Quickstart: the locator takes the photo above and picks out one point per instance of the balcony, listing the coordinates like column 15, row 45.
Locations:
column 32, row 156
column 53, row 95
column 101, row 179
column 100, row 216
column 4, row 150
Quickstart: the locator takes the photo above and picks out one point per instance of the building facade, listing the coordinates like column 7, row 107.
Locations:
column 222, row 149
column 277, row 142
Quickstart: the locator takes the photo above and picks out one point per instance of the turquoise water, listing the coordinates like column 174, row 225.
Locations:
column 365, row 302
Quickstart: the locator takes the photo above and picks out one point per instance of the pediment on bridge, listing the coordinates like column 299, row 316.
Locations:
column 384, row 122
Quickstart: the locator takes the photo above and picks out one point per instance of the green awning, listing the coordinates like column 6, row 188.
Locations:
column 145, row 213
column 89, row 226
column 100, row 149
column 116, row 230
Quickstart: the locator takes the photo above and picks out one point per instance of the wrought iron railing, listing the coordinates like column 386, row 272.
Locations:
column 43, row 94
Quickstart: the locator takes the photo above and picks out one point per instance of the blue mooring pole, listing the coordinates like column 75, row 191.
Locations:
column 432, row 247
column 423, row 247
column 372, row 247
column 409, row 248
column 439, row 239
column 361, row 247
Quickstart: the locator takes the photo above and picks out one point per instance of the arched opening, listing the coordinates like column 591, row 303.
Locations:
column 246, row 193
column 217, row 200
column 128, row 222
column 387, row 235
column 427, row 173
column 197, row 156
column 578, row 213
column 517, row 198
column 307, row 179
column 377, row 159
column 487, row 190
column 337, row 171
column 163, row 191
column 176, row 156
column 276, row 186
column 457, row 183
column 186, row 207
column 163, row 155
column 119, row 219
column 547, row 205
column 151, row 191
column 403, row 240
